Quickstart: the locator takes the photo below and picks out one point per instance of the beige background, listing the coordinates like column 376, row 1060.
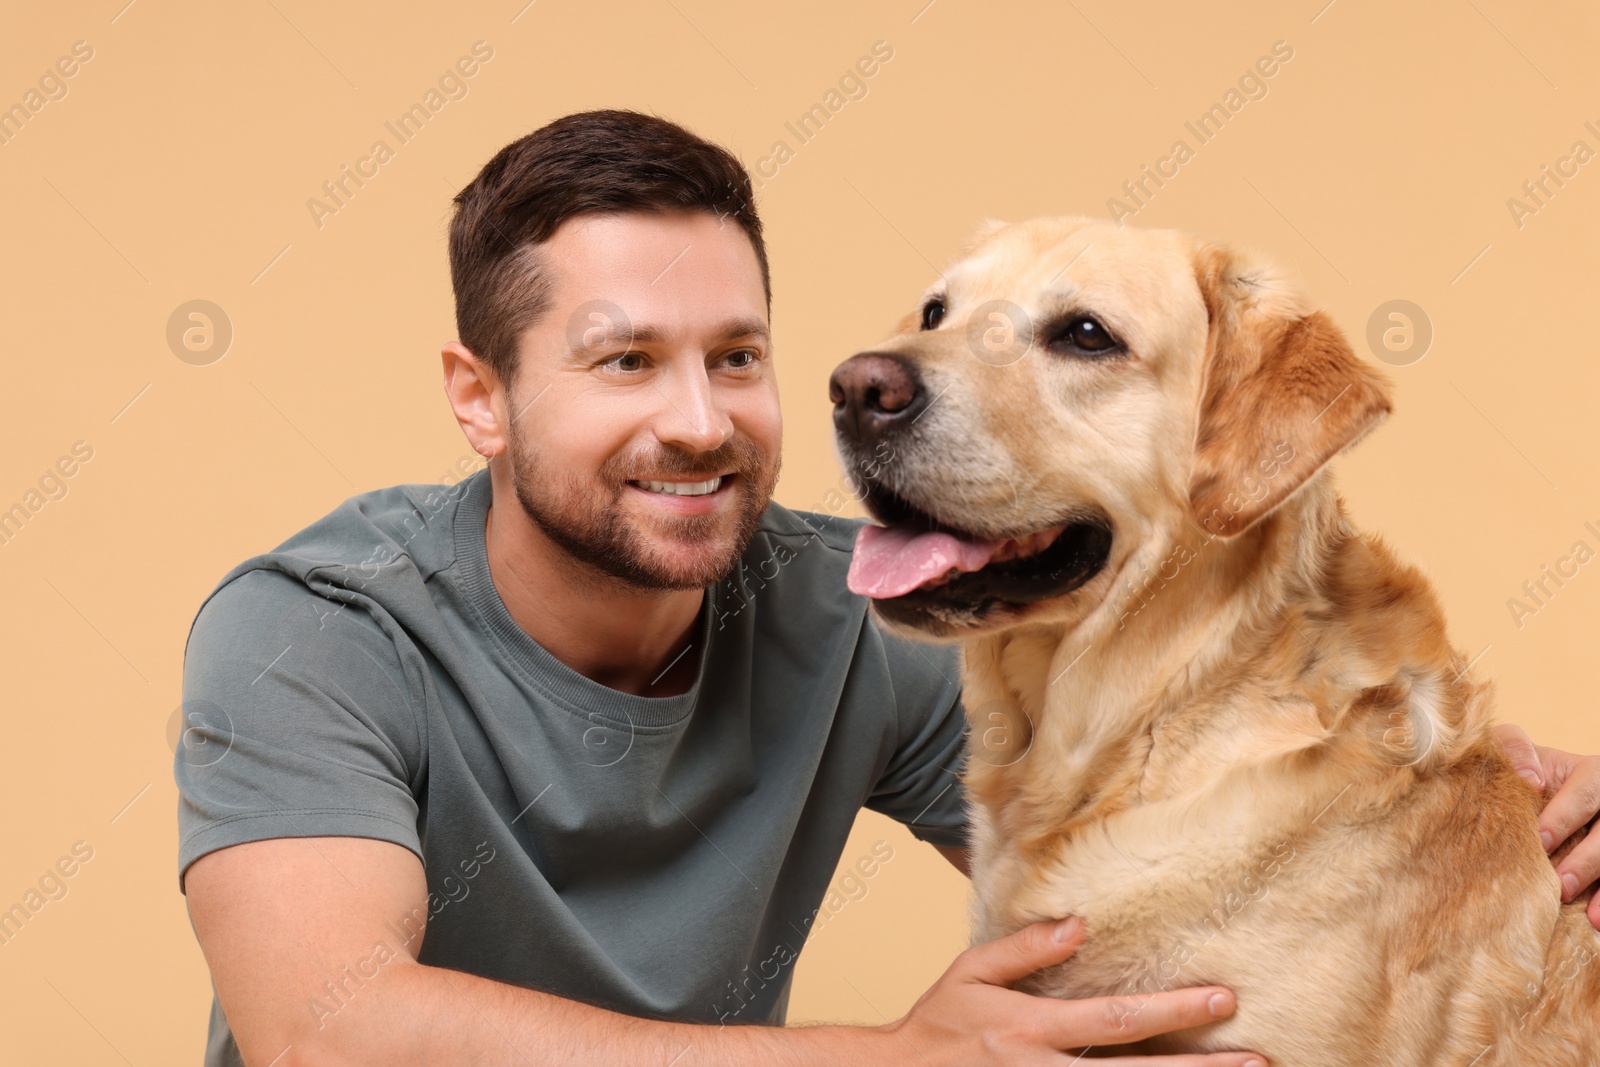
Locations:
column 179, row 165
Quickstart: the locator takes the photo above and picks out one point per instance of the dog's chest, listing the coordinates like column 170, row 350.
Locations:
column 1166, row 916
column 1199, row 743
column 1210, row 886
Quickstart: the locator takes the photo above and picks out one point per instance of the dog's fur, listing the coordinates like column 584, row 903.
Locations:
column 1245, row 751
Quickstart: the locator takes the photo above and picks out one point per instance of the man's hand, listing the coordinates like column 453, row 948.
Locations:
column 1576, row 781
column 971, row 1017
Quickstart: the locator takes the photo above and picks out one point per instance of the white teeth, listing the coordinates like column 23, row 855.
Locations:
column 682, row 488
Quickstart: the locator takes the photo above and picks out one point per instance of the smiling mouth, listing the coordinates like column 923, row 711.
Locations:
column 704, row 487
column 913, row 561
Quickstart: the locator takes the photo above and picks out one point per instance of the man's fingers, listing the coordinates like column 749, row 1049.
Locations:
column 1580, row 867
column 1575, row 803
column 1123, row 1020
column 1517, row 745
column 1007, row 959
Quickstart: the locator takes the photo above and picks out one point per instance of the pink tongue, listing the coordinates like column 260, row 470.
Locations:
column 890, row 561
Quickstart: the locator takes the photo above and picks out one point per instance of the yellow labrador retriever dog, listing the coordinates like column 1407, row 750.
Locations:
column 1207, row 714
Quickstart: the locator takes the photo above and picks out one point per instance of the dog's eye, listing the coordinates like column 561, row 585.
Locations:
column 1085, row 335
column 933, row 313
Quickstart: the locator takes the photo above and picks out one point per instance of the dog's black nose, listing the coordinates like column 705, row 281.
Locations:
column 872, row 392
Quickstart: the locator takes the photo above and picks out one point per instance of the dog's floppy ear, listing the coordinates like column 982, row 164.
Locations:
column 1281, row 394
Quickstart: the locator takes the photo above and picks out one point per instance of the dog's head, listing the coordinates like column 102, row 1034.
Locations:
column 1068, row 391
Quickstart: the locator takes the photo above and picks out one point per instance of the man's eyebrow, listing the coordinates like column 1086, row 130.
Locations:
column 645, row 333
column 736, row 328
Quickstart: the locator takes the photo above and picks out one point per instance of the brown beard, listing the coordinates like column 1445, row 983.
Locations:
column 599, row 534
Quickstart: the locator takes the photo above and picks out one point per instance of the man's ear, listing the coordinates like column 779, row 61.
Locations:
column 1281, row 394
column 471, row 385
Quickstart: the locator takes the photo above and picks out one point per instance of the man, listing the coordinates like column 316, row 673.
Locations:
column 599, row 719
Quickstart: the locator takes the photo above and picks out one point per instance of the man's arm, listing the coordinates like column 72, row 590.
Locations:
column 309, row 971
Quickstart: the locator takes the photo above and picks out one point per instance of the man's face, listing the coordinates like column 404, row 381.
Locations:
column 645, row 429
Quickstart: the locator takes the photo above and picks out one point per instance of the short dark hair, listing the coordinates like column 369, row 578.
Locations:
column 592, row 162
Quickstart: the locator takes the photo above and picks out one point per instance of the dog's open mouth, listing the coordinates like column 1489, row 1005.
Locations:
column 914, row 559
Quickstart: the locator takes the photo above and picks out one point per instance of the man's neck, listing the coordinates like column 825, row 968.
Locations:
column 632, row 640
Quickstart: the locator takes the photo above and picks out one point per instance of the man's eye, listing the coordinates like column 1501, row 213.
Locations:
column 621, row 361
column 748, row 354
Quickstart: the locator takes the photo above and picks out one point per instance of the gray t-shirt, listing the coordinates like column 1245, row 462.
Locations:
column 660, row 856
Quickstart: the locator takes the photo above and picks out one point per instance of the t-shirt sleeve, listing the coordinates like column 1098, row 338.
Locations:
column 296, row 722
column 921, row 785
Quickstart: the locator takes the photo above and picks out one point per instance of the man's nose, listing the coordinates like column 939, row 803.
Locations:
column 873, row 392
column 692, row 418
